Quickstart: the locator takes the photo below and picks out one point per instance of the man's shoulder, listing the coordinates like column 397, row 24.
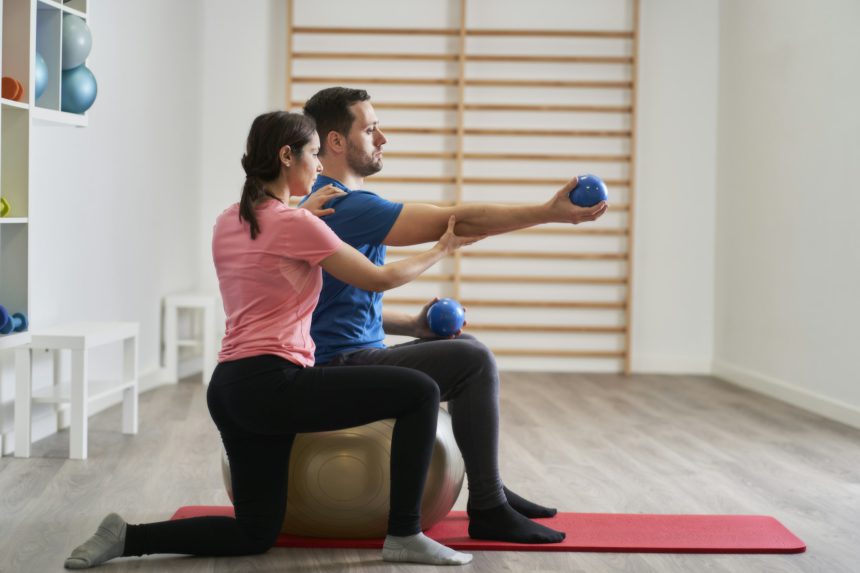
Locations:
column 361, row 201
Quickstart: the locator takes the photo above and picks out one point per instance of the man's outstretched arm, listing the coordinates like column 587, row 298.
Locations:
column 421, row 223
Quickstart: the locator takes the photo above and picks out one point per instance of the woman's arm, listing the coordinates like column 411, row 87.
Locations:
column 350, row 266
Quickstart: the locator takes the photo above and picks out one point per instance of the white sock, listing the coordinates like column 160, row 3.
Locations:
column 107, row 543
column 419, row 548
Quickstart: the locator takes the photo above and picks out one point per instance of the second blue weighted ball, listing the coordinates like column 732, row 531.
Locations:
column 446, row 317
column 589, row 191
column 79, row 89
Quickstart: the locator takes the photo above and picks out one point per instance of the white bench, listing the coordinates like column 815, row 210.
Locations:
column 19, row 341
column 199, row 303
column 77, row 338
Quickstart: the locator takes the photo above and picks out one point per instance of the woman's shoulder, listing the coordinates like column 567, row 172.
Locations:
column 230, row 211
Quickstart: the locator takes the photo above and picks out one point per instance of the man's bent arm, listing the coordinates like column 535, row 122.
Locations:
column 399, row 323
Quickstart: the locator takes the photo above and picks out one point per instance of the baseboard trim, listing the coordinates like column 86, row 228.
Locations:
column 789, row 393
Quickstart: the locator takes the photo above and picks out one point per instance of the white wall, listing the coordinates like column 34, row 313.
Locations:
column 788, row 245
column 242, row 75
column 673, row 281
column 673, row 292
column 114, row 206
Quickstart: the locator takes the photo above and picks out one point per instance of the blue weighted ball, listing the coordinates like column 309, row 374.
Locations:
column 77, row 41
column 589, row 191
column 446, row 317
column 79, row 89
column 41, row 75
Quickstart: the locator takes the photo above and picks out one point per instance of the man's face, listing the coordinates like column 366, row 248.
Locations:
column 365, row 141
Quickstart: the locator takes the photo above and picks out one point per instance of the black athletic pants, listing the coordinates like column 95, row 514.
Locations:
column 258, row 405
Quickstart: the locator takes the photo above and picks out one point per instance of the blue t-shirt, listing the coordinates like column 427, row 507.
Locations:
column 348, row 318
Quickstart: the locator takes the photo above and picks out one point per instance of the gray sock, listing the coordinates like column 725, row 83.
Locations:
column 419, row 548
column 107, row 543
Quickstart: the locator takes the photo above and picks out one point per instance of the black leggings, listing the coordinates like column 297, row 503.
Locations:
column 259, row 404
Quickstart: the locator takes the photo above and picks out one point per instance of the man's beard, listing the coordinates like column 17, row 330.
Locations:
column 362, row 165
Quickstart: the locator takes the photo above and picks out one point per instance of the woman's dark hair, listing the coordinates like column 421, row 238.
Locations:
column 330, row 109
column 269, row 133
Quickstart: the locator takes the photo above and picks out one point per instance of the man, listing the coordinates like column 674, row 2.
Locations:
column 349, row 324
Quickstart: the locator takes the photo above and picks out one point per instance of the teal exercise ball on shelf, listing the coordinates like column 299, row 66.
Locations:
column 41, row 75
column 77, row 41
column 79, row 90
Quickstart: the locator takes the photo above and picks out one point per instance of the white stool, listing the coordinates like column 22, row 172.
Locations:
column 77, row 338
column 200, row 303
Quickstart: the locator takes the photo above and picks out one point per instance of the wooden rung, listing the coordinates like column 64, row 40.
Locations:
column 543, row 255
column 586, row 84
column 548, row 132
column 572, row 231
column 373, row 56
column 509, row 132
column 497, row 107
column 605, row 34
column 378, row 31
column 502, row 279
column 485, row 181
column 534, row 181
column 415, row 105
column 375, row 80
column 548, row 107
column 403, row 105
column 421, row 154
column 435, row 278
column 624, row 34
column 545, row 157
column 546, row 328
column 516, row 303
column 545, row 58
column 422, row 130
column 548, row 353
column 469, row 57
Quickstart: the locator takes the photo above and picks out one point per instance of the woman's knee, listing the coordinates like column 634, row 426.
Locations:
column 262, row 533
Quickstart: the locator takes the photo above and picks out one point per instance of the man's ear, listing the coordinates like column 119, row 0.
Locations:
column 335, row 142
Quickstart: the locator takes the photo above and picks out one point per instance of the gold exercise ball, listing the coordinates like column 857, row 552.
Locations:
column 338, row 483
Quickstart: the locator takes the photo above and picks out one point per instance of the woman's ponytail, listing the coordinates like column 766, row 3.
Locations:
column 269, row 133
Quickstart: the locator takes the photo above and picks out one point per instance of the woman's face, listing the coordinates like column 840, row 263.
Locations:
column 303, row 169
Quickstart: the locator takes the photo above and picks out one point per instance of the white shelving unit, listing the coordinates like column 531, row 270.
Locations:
column 28, row 26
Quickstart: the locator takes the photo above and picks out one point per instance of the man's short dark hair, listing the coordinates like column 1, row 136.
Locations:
column 330, row 109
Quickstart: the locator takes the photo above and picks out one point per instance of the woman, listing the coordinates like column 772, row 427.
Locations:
column 268, row 257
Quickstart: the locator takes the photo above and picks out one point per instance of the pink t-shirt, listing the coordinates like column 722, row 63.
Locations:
column 270, row 285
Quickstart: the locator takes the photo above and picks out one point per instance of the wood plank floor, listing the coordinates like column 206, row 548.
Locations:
column 591, row 443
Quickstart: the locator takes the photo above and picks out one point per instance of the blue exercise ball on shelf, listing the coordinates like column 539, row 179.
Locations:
column 77, row 41
column 79, row 90
column 41, row 75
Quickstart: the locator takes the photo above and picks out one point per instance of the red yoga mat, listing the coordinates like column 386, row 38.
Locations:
column 607, row 532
